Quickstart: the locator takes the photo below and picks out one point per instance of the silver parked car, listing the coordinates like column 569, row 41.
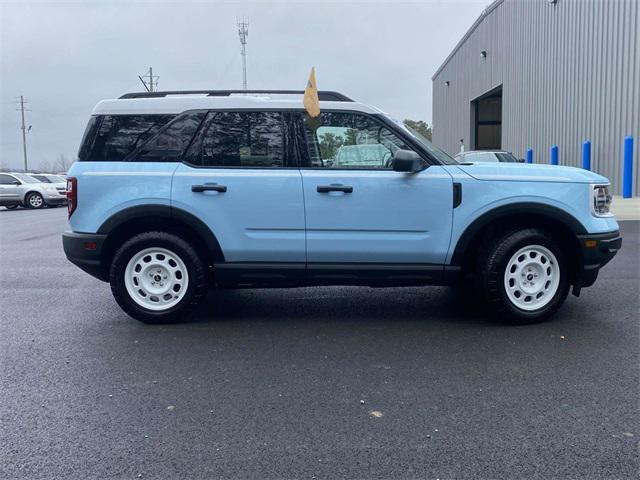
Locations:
column 21, row 189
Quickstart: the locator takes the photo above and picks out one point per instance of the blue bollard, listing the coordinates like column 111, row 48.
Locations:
column 554, row 155
column 586, row 155
column 627, row 169
column 529, row 155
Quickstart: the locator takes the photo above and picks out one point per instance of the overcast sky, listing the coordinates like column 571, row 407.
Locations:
column 66, row 56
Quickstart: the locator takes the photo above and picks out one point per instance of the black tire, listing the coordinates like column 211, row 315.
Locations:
column 196, row 268
column 34, row 201
column 492, row 261
column 11, row 207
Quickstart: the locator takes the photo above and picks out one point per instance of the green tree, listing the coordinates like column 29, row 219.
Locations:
column 329, row 145
column 420, row 126
column 351, row 136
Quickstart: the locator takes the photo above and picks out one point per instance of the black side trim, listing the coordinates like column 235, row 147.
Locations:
column 457, row 194
column 247, row 274
column 517, row 208
column 238, row 274
column 375, row 274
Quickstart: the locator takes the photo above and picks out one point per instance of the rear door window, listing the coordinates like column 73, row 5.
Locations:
column 240, row 139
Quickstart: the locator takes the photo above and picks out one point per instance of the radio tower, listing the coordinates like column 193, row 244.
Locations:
column 243, row 33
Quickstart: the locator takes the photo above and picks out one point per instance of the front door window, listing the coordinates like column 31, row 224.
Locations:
column 345, row 140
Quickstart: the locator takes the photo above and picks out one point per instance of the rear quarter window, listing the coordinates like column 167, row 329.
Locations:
column 111, row 138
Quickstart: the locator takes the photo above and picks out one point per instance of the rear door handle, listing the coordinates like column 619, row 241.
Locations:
column 334, row 187
column 209, row 187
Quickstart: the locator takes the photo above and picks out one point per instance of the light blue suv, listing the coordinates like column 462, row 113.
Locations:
column 177, row 191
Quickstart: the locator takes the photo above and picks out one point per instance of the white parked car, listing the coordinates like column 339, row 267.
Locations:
column 59, row 181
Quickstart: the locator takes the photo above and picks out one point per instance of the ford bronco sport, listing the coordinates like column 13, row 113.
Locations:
column 174, row 191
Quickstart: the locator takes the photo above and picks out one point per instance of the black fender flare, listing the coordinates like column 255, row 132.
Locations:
column 169, row 212
column 523, row 208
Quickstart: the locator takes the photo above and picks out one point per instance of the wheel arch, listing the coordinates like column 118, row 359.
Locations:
column 137, row 219
column 562, row 224
column 29, row 192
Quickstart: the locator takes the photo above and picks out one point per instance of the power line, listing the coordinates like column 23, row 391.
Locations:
column 243, row 33
column 151, row 79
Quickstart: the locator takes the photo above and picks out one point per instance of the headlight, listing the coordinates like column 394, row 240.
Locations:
column 600, row 201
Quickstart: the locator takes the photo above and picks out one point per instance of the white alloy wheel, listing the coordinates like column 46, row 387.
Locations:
column 532, row 277
column 35, row 200
column 156, row 278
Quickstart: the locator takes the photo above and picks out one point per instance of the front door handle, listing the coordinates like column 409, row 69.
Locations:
column 334, row 187
column 209, row 187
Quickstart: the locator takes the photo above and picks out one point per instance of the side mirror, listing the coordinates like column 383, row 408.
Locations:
column 16, row 182
column 521, row 160
column 407, row 161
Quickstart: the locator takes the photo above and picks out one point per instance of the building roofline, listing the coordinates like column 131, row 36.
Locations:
column 475, row 25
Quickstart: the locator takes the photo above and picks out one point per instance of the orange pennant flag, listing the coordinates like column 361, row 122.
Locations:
column 310, row 101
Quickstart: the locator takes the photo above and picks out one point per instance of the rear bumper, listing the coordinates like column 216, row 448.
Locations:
column 84, row 250
column 55, row 200
column 597, row 250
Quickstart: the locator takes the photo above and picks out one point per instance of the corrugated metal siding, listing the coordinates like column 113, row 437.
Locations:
column 570, row 71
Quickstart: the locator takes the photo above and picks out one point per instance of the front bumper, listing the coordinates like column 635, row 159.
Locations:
column 84, row 250
column 597, row 250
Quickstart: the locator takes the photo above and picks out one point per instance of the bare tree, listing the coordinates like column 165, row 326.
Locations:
column 45, row 166
column 62, row 163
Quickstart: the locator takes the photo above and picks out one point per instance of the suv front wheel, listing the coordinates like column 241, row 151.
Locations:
column 523, row 276
column 156, row 277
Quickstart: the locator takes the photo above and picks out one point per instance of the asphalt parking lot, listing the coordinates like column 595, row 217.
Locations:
column 271, row 383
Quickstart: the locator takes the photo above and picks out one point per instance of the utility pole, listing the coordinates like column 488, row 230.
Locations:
column 152, row 78
column 243, row 33
column 24, row 132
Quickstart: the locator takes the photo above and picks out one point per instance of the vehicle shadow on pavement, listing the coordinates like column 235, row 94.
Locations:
column 351, row 304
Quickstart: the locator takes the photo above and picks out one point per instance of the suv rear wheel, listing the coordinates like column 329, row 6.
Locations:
column 523, row 276
column 156, row 277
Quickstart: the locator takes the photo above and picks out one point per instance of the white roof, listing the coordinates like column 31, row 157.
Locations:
column 179, row 103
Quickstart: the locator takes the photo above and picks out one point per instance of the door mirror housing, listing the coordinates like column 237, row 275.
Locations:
column 407, row 161
column 16, row 182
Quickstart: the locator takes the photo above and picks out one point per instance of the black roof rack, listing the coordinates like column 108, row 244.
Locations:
column 324, row 95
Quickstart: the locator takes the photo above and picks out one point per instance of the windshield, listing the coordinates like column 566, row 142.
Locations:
column 424, row 143
column 56, row 179
column 507, row 157
column 41, row 178
column 26, row 178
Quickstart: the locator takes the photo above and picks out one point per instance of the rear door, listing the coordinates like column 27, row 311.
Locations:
column 240, row 177
column 360, row 211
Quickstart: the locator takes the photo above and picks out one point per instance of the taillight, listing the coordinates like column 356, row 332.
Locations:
column 72, row 194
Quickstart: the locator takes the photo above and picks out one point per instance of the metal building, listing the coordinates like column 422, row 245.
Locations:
column 537, row 73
